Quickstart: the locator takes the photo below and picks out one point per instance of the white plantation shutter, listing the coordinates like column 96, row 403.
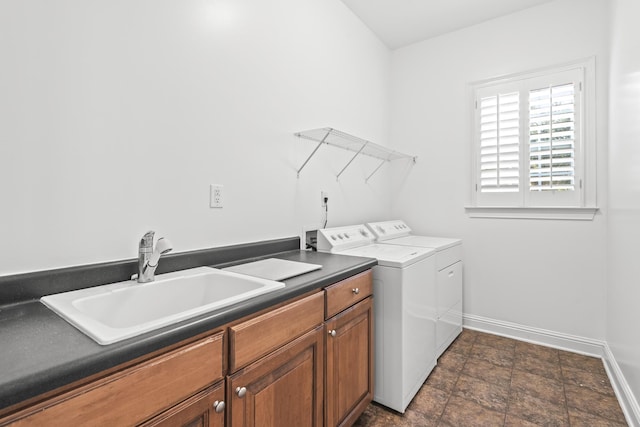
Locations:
column 552, row 138
column 527, row 141
column 499, row 143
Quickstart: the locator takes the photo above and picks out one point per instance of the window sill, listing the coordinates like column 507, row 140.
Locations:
column 566, row 213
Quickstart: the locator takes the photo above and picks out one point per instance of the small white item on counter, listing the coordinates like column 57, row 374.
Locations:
column 274, row 268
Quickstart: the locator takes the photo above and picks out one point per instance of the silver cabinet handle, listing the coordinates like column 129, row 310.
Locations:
column 241, row 391
column 355, row 291
column 332, row 332
column 218, row 406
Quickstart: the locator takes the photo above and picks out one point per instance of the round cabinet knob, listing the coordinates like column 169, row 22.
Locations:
column 241, row 391
column 332, row 332
column 218, row 406
column 355, row 291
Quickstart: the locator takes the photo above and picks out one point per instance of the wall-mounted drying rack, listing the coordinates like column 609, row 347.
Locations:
column 352, row 143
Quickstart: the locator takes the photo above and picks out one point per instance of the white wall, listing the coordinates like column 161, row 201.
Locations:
column 430, row 117
column 117, row 115
column 623, row 296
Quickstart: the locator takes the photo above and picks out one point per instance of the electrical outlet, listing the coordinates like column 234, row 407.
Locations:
column 324, row 198
column 216, row 199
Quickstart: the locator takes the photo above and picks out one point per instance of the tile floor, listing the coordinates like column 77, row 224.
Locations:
column 488, row 380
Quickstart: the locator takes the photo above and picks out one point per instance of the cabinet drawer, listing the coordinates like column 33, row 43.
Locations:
column 136, row 393
column 348, row 292
column 254, row 338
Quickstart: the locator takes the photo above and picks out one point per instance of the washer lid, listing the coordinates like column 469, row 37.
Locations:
column 391, row 255
column 439, row 243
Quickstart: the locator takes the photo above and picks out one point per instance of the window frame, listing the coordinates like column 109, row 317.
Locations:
column 522, row 204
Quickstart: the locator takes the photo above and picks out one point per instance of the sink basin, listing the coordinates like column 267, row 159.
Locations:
column 117, row 311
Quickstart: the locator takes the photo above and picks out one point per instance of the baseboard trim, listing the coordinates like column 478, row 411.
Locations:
column 625, row 395
column 544, row 337
column 573, row 343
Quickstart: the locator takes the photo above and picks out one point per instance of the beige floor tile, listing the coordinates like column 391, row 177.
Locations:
column 537, row 411
column 534, row 365
column 442, row 379
column 468, row 335
column 584, row 419
column 486, row 371
column 461, row 412
column 462, row 346
column 496, row 356
column 538, row 386
column 579, row 361
column 429, row 402
column 486, row 381
column 452, row 361
column 596, row 382
column 495, row 341
column 592, row 402
column 511, row 421
column 491, row 396
column 546, row 354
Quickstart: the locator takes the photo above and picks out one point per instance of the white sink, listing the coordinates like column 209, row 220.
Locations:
column 117, row 311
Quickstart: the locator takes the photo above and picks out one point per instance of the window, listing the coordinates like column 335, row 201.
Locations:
column 530, row 142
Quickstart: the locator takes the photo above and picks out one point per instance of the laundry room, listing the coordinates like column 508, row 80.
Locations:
column 244, row 130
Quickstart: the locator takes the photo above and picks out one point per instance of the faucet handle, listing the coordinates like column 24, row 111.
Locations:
column 147, row 240
column 148, row 257
column 162, row 247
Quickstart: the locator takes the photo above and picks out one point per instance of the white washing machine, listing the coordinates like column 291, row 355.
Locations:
column 404, row 286
column 449, row 275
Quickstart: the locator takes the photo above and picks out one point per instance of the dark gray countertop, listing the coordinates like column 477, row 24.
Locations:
column 40, row 351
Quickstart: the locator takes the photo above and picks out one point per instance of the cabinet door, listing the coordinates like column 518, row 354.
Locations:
column 284, row 388
column 349, row 364
column 205, row 409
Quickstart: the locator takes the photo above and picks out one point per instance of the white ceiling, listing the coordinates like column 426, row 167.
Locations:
column 401, row 22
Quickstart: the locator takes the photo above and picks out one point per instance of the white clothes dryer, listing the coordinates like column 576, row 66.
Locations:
column 404, row 311
column 449, row 274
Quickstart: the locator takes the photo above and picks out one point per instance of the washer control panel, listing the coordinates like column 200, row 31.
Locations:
column 341, row 238
column 389, row 229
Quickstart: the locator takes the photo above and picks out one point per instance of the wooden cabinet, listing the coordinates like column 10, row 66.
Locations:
column 349, row 351
column 205, row 409
column 285, row 388
column 308, row 363
column 277, row 367
column 135, row 394
column 263, row 334
column 346, row 293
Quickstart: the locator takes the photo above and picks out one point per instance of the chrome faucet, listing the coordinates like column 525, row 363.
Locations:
column 148, row 257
